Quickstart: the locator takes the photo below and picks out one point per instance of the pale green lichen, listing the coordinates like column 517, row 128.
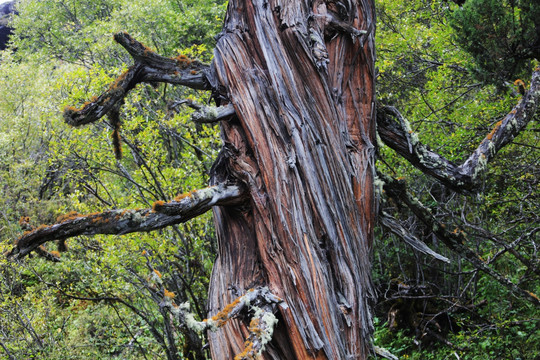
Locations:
column 191, row 322
column 212, row 113
column 513, row 123
column 378, row 184
column 267, row 324
column 491, row 148
column 380, row 143
column 155, row 277
column 480, row 166
column 414, row 138
column 137, row 217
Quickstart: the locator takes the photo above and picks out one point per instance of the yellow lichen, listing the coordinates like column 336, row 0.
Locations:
column 97, row 219
column 157, row 273
column 147, row 50
column 157, row 205
column 521, row 86
column 497, row 126
column 533, row 295
column 183, row 60
column 69, row 216
column 221, row 317
column 248, row 353
column 183, row 196
column 69, row 110
column 168, row 294
column 254, row 327
column 41, row 227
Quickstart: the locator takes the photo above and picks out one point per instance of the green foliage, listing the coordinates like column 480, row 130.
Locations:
column 502, row 37
column 64, row 56
column 432, row 79
column 81, row 31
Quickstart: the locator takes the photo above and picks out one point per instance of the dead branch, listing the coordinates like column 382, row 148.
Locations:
column 149, row 67
column 455, row 241
column 464, row 178
column 260, row 301
column 118, row 222
column 396, row 228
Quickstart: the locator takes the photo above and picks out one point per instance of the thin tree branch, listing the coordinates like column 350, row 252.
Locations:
column 455, row 241
column 118, row 222
column 463, row 178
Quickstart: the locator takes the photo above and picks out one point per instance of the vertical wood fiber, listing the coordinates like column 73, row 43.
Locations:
column 303, row 143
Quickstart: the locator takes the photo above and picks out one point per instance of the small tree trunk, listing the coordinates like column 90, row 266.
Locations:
column 304, row 145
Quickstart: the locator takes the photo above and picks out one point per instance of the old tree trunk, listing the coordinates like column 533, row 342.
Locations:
column 293, row 187
column 303, row 143
column 294, row 83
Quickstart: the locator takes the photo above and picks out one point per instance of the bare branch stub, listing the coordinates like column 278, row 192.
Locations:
column 118, row 222
column 211, row 114
column 206, row 114
column 462, row 178
column 259, row 301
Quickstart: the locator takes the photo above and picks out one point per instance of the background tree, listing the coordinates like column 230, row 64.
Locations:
column 244, row 159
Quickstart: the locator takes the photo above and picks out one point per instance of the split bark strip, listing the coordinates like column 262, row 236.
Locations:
column 454, row 241
column 396, row 228
column 463, row 178
column 149, row 67
column 120, row 222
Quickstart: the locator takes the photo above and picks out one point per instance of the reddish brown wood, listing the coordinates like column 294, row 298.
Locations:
column 303, row 142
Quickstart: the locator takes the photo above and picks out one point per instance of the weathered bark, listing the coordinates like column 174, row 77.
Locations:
column 303, row 142
column 300, row 78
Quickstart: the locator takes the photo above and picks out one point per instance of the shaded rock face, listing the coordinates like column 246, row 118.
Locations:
column 6, row 9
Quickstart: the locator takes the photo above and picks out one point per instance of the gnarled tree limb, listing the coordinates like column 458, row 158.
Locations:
column 463, row 178
column 149, row 67
column 120, row 222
